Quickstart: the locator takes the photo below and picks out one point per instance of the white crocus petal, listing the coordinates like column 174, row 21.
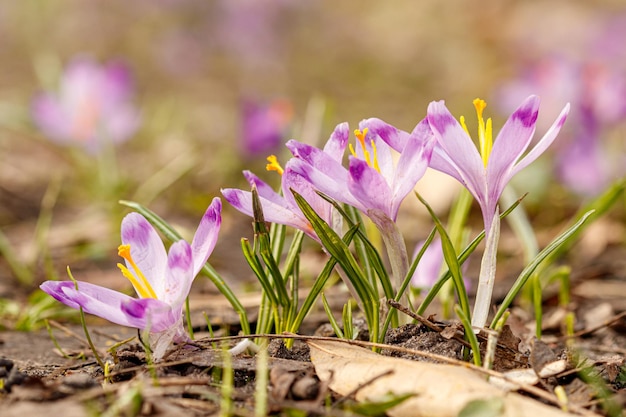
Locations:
column 179, row 275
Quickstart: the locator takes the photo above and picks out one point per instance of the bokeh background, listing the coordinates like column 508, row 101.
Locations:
column 202, row 67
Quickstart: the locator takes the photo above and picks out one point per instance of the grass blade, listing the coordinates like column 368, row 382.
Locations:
column 337, row 248
column 564, row 239
column 449, row 254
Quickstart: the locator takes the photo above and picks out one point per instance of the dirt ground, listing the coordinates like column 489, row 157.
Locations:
column 38, row 380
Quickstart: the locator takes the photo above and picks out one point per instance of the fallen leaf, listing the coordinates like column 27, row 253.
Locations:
column 438, row 389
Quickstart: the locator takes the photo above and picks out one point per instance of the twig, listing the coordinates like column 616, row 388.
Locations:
column 432, row 326
column 590, row 330
column 435, row 327
column 415, row 316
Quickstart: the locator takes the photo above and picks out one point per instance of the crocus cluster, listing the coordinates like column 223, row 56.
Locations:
column 92, row 107
column 374, row 182
column 376, row 186
column 162, row 280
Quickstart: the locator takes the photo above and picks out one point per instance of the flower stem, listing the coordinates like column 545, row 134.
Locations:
column 487, row 275
column 395, row 246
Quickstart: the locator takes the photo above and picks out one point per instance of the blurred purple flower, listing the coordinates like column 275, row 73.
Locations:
column 263, row 126
column 430, row 266
column 372, row 183
column 597, row 93
column 161, row 280
column 252, row 30
column 93, row 106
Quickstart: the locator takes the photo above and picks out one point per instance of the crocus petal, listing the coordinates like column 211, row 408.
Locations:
column 382, row 156
column 146, row 249
column 263, row 188
column 205, row 237
column 179, row 275
column 121, row 124
column 261, row 133
column 583, row 168
column 393, row 136
column 80, row 79
column 336, row 144
column 273, row 213
column 512, row 141
column 440, row 161
column 413, row 163
column 318, row 159
column 99, row 301
column 332, row 186
column 151, row 314
column 376, row 153
column 543, row 143
column 117, row 85
column 292, row 181
column 369, row 187
column 455, row 142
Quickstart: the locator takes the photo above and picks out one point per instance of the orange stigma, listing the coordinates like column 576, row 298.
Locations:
column 371, row 160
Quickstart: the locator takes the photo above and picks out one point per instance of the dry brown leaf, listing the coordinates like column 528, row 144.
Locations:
column 440, row 390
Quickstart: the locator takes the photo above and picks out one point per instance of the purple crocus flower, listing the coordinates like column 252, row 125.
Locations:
column 162, row 280
column 277, row 208
column 372, row 183
column 93, row 106
column 485, row 173
column 283, row 209
column 431, row 265
column 263, row 126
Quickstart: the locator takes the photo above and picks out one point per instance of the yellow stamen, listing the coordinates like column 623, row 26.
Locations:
column 139, row 280
column 376, row 167
column 274, row 165
column 371, row 161
column 464, row 126
column 485, row 135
